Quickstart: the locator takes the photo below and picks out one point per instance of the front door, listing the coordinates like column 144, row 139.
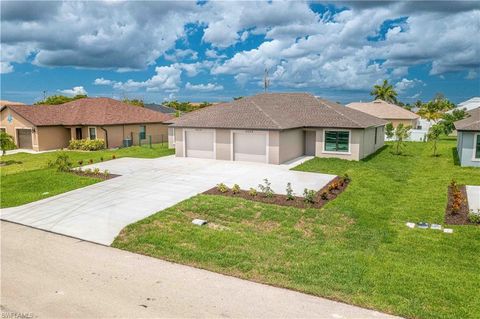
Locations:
column 78, row 133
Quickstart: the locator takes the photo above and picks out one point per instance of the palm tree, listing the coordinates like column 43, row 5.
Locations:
column 384, row 92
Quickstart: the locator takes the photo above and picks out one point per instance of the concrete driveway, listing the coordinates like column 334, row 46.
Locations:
column 98, row 212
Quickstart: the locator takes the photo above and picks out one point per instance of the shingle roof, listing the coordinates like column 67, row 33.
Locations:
column 88, row 111
column 471, row 123
column 384, row 110
column 277, row 111
column 5, row 102
column 160, row 108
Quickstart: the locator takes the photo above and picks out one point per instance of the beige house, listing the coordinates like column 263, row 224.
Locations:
column 275, row 128
column 46, row 127
column 389, row 112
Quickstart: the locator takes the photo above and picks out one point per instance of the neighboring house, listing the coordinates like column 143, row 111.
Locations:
column 5, row 102
column 46, row 127
column 275, row 128
column 387, row 111
column 468, row 105
column 468, row 139
column 161, row 108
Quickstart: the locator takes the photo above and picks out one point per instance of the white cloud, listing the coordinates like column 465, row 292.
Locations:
column 102, row 81
column 5, row 67
column 203, row 87
column 406, row 85
column 76, row 90
column 210, row 53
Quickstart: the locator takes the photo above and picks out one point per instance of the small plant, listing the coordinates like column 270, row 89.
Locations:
column 453, row 183
column 236, row 189
column 266, row 189
column 346, row 178
column 309, row 195
column 62, row 163
column 222, row 188
column 106, row 173
column 101, row 159
column 458, row 200
column 96, row 171
column 79, row 170
column 80, row 163
column 88, row 171
column 289, row 191
column 90, row 161
column 324, row 195
column 252, row 192
column 114, row 156
column 474, row 217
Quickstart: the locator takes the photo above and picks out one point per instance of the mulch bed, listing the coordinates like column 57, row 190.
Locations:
column 100, row 176
column 279, row 199
column 461, row 216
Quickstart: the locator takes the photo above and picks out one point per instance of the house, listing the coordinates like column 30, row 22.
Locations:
column 387, row 111
column 468, row 139
column 161, row 108
column 5, row 102
column 275, row 128
column 468, row 105
column 46, row 127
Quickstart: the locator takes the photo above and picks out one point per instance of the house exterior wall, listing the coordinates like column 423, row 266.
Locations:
column 395, row 122
column 171, row 137
column 368, row 145
column 466, row 148
column 356, row 138
column 223, row 144
column 292, row 144
column 52, row 137
column 18, row 122
column 179, row 142
column 274, row 147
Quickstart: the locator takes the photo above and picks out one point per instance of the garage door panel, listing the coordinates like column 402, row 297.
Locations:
column 250, row 147
column 199, row 144
column 24, row 138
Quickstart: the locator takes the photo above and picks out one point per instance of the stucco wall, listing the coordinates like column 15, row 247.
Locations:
column 291, row 145
column 356, row 137
column 52, row 137
column 395, row 122
column 179, row 142
column 171, row 137
column 18, row 122
column 466, row 149
column 223, row 144
column 274, row 147
column 367, row 145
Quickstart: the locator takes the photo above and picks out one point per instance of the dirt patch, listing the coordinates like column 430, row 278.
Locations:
column 326, row 194
column 457, row 209
column 93, row 175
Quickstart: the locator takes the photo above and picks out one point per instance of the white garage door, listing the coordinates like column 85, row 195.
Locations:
column 199, row 144
column 250, row 147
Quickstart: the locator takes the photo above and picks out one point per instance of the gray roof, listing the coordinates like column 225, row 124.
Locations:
column 471, row 123
column 277, row 111
column 160, row 108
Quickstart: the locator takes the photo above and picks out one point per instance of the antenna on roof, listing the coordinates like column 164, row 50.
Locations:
column 44, row 95
column 266, row 80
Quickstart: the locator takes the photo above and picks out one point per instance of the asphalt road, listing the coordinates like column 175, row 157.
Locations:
column 52, row 276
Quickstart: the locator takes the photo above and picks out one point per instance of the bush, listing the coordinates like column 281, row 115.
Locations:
column 87, row 145
column 80, row 162
column 62, row 163
column 222, row 188
column 96, row 171
column 90, row 161
column 309, row 196
column 474, row 217
column 266, row 189
column 236, row 189
column 252, row 192
column 114, row 156
column 289, row 190
column 101, row 159
column 106, row 173
column 324, row 195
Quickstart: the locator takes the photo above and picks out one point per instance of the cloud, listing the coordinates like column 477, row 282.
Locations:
column 210, row 53
column 179, row 55
column 102, row 81
column 5, row 67
column 203, row 87
column 77, row 90
column 406, row 85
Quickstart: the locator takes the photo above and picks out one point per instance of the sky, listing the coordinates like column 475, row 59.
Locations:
column 217, row 50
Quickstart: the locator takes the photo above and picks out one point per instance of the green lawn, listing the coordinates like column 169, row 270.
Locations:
column 27, row 178
column 356, row 249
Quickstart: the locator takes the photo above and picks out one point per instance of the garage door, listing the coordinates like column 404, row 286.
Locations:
column 24, row 139
column 199, row 144
column 250, row 147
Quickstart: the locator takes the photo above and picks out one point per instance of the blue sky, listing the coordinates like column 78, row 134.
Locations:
column 213, row 51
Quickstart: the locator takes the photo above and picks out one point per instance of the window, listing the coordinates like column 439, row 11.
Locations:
column 143, row 132
column 337, row 141
column 477, row 146
column 92, row 131
column 78, row 133
column 376, row 131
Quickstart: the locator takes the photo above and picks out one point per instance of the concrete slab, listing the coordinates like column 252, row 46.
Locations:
column 98, row 212
column 473, row 195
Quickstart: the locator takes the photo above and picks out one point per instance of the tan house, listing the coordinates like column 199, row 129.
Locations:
column 46, row 127
column 387, row 111
column 275, row 128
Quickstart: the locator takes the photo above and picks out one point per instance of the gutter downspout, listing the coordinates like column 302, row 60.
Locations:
column 106, row 136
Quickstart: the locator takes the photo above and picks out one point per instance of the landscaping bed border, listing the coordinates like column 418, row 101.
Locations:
column 101, row 176
column 331, row 190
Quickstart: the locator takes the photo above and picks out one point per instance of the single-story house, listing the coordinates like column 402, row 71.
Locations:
column 5, row 102
column 387, row 111
column 468, row 139
column 161, row 108
column 46, row 127
column 275, row 128
column 468, row 105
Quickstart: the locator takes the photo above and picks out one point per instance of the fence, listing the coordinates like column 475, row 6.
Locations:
column 151, row 140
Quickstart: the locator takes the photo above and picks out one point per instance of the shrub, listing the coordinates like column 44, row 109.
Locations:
column 289, row 190
column 90, row 161
column 324, row 195
column 62, row 163
column 309, row 195
column 87, row 145
column 6, row 142
column 252, row 192
column 101, row 159
column 346, row 178
column 474, row 217
column 222, row 188
column 106, row 173
column 80, row 162
column 236, row 189
column 96, row 171
column 88, row 171
column 266, row 189
column 114, row 156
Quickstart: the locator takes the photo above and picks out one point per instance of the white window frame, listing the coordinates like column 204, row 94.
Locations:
column 335, row 152
column 203, row 130
column 476, row 136
column 89, row 135
column 258, row 132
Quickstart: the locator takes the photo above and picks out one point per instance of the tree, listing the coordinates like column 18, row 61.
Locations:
column 434, row 135
column 448, row 119
column 435, row 109
column 59, row 99
column 389, row 130
column 401, row 134
column 136, row 102
column 384, row 92
column 204, row 104
column 237, row 98
column 6, row 142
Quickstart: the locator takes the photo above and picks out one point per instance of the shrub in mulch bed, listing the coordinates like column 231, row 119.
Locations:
column 329, row 192
column 94, row 175
column 457, row 209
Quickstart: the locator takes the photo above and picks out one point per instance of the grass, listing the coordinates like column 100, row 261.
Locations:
column 27, row 178
column 356, row 249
